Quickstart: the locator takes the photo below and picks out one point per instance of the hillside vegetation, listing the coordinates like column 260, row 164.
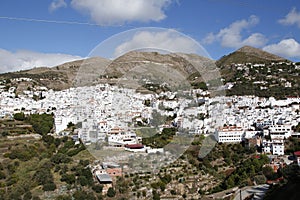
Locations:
column 251, row 70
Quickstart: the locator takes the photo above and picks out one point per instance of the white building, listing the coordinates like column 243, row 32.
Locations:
column 123, row 138
column 280, row 131
column 275, row 147
column 229, row 134
column 90, row 132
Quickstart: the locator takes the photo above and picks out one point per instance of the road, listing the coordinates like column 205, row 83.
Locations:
column 258, row 191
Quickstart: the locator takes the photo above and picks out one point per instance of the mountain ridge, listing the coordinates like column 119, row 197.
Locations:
column 248, row 54
column 190, row 67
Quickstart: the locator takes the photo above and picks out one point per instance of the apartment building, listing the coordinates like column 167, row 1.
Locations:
column 229, row 134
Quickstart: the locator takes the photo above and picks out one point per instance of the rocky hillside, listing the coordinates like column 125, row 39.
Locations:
column 251, row 71
column 149, row 65
column 59, row 77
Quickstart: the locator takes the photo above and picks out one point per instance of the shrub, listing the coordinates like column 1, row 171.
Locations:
column 50, row 186
column 97, row 188
column 111, row 192
column 19, row 116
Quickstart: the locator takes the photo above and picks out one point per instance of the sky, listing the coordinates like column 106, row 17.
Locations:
column 38, row 33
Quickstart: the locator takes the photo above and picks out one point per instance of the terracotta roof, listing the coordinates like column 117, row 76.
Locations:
column 134, row 146
column 297, row 153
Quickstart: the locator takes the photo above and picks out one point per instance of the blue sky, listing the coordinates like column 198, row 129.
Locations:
column 71, row 29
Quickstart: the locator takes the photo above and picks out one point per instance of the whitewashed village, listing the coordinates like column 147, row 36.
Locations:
column 108, row 113
column 109, row 120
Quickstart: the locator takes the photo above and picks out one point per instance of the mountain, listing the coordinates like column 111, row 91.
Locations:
column 145, row 70
column 267, row 75
column 148, row 71
column 152, row 66
column 249, row 54
column 57, row 78
column 187, row 65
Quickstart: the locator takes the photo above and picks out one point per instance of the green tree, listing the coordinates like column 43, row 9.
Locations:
column 83, row 181
column 97, row 188
column 70, row 125
column 2, row 175
column 111, row 192
column 80, row 195
column 291, row 172
column 229, row 183
column 48, row 139
column 68, row 178
column 60, row 158
column 19, row 116
column 156, row 196
column 42, row 124
column 49, row 186
column 260, row 179
column 43, row 175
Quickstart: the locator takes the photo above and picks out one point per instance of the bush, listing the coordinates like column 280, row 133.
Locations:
column 19, row 116
column 68, row 178
column 42, row 124
column 43, row 175
column 50, row 186
column 23, row 154
column 80, row 195
column 97, row 188
column 83, row 181
column 111, row 192
column 156, row 196
column 2, row 175
column 160, row 140
column 60, row 158
column 48, row 139
column 269, row 173
column 260, row 179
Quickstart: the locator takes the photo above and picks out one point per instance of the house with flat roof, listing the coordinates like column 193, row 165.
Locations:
column 280, row 131
column 104, row 178
column 273, row 146
column 229, row 134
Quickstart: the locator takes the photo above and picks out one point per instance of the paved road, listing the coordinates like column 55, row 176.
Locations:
column 258, row 191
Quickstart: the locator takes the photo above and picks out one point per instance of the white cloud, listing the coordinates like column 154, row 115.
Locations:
column 21, row 60
column 255, row 40
column 56, row 4
column 116, row 12
column 232, row 36
column 168, row 40
column 293, row 17
column 286, row 48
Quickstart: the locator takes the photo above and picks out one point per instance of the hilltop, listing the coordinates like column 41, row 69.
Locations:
column 58, row 78
column 175, row 66
column 188, row 67
column 251, row 71
column 249, row 54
